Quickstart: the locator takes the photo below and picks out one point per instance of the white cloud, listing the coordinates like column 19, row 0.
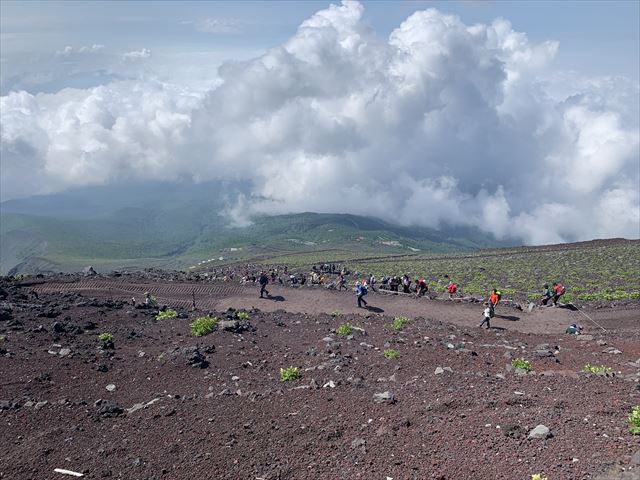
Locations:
column 441, row 123
column 137, row 54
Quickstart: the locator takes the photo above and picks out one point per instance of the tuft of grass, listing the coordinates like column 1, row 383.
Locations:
column 537, row 476
column 289, row 373
column 203, row 326
column 242, row 316
column 399, row 323
column 336, row 313
column 166, row 315
column 522, row 364
column 588, row 368
column 105, row 337
column 634, row 420
column 391, row 354
column 344, row 329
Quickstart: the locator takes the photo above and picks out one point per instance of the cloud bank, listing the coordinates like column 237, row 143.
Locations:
column 441, row 123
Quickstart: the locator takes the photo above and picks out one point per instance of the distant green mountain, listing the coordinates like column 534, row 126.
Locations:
column 180, row 225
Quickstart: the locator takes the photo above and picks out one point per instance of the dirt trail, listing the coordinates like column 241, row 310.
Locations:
column 314, row 300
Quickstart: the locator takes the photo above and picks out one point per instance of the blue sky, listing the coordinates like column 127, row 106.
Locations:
column 596, row 38
column 520, row 118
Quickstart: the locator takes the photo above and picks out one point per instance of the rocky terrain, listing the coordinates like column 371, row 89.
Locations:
column 155, row 402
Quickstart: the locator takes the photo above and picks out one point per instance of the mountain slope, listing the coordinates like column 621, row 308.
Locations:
column 177, row 226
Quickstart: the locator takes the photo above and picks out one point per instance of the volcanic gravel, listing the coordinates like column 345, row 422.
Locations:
column 161, row 403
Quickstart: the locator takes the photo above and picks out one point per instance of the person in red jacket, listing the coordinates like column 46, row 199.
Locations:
column 452, row 288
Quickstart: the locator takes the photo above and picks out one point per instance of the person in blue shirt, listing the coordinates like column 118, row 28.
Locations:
column 361, row 291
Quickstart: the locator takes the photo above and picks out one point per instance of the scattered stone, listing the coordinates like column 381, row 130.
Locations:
column 41, row 404
column 540, row 432
column 58, row 327
column 226, row 391
column 89, row 271
column 329, row 384
column 64, row 352
column 513, row 431
column 384, row 397
column 111, row 387
column 107, row 408
column 359, row 443
column 313, row 384
column 611, row 350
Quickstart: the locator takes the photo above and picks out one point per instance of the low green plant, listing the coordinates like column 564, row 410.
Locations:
column 522, row 364
column 166, row 314
column 2, row 338
column 344, row 329
column 203, row 326
column 336, row 313
column 242, row 316
column 537, row 476
column 390, row 353
column 105, row 337
column 399, row 323
column 289, row 373
column 588, row 368
column 634, row 420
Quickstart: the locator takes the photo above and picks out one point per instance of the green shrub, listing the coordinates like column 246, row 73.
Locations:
column 634, row 420
column 105, row 337
column 203, row 326
column 390, row 353
column 588, row 368
column 522, row 364
column 289, row 373
column 242, row 316
column 336, row 313
column 344, row 329
column 166, row 315
column 399, row 323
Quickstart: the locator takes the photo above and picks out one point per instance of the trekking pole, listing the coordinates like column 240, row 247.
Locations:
column 603, row 329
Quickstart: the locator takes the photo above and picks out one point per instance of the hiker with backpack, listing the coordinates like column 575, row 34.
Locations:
column 558, row 291
column 421, row 287
column 546, row 295
column 264, row 281
column 406, row 283
column 361, row 291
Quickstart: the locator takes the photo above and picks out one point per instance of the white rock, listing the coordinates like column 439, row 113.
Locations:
column 111, row 387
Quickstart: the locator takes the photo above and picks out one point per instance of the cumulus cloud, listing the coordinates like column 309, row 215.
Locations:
column 441, row 123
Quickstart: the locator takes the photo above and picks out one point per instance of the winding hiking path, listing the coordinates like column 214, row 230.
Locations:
column 313, row 300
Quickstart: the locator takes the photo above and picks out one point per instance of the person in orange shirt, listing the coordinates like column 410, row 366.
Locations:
column 558, row 291
column 494, row 298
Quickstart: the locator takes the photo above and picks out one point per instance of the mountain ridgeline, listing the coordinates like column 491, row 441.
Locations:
column 174, row 225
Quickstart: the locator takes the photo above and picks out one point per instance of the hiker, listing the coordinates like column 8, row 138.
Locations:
column 150, row 300
column 488, row 313
column 361, row 291
column 264, row 281
column 573, row 329
column 546, row 295
column 372, row 282
column 395, row 281
column 494, row 297
column 406, row 283
column 385, row 283
column 421, row 287
column 452, row 288
column 342, row 283
column 558, row 291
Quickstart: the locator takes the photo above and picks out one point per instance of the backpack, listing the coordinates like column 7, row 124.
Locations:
column 499, row 294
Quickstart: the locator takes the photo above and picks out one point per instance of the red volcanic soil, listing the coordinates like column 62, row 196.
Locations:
column 214, row 407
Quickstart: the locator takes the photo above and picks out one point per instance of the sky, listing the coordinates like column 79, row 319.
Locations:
column 520, row 118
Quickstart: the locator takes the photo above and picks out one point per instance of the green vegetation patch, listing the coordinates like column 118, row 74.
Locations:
column 166, row 315
column 399, row 323
column 521, row 364
column 344, row 330
column 588, row 368
column 242, row 316
column 105, row 337
column 391, row 354
column 289, row 373
column 203, row 326
column 634, row 420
